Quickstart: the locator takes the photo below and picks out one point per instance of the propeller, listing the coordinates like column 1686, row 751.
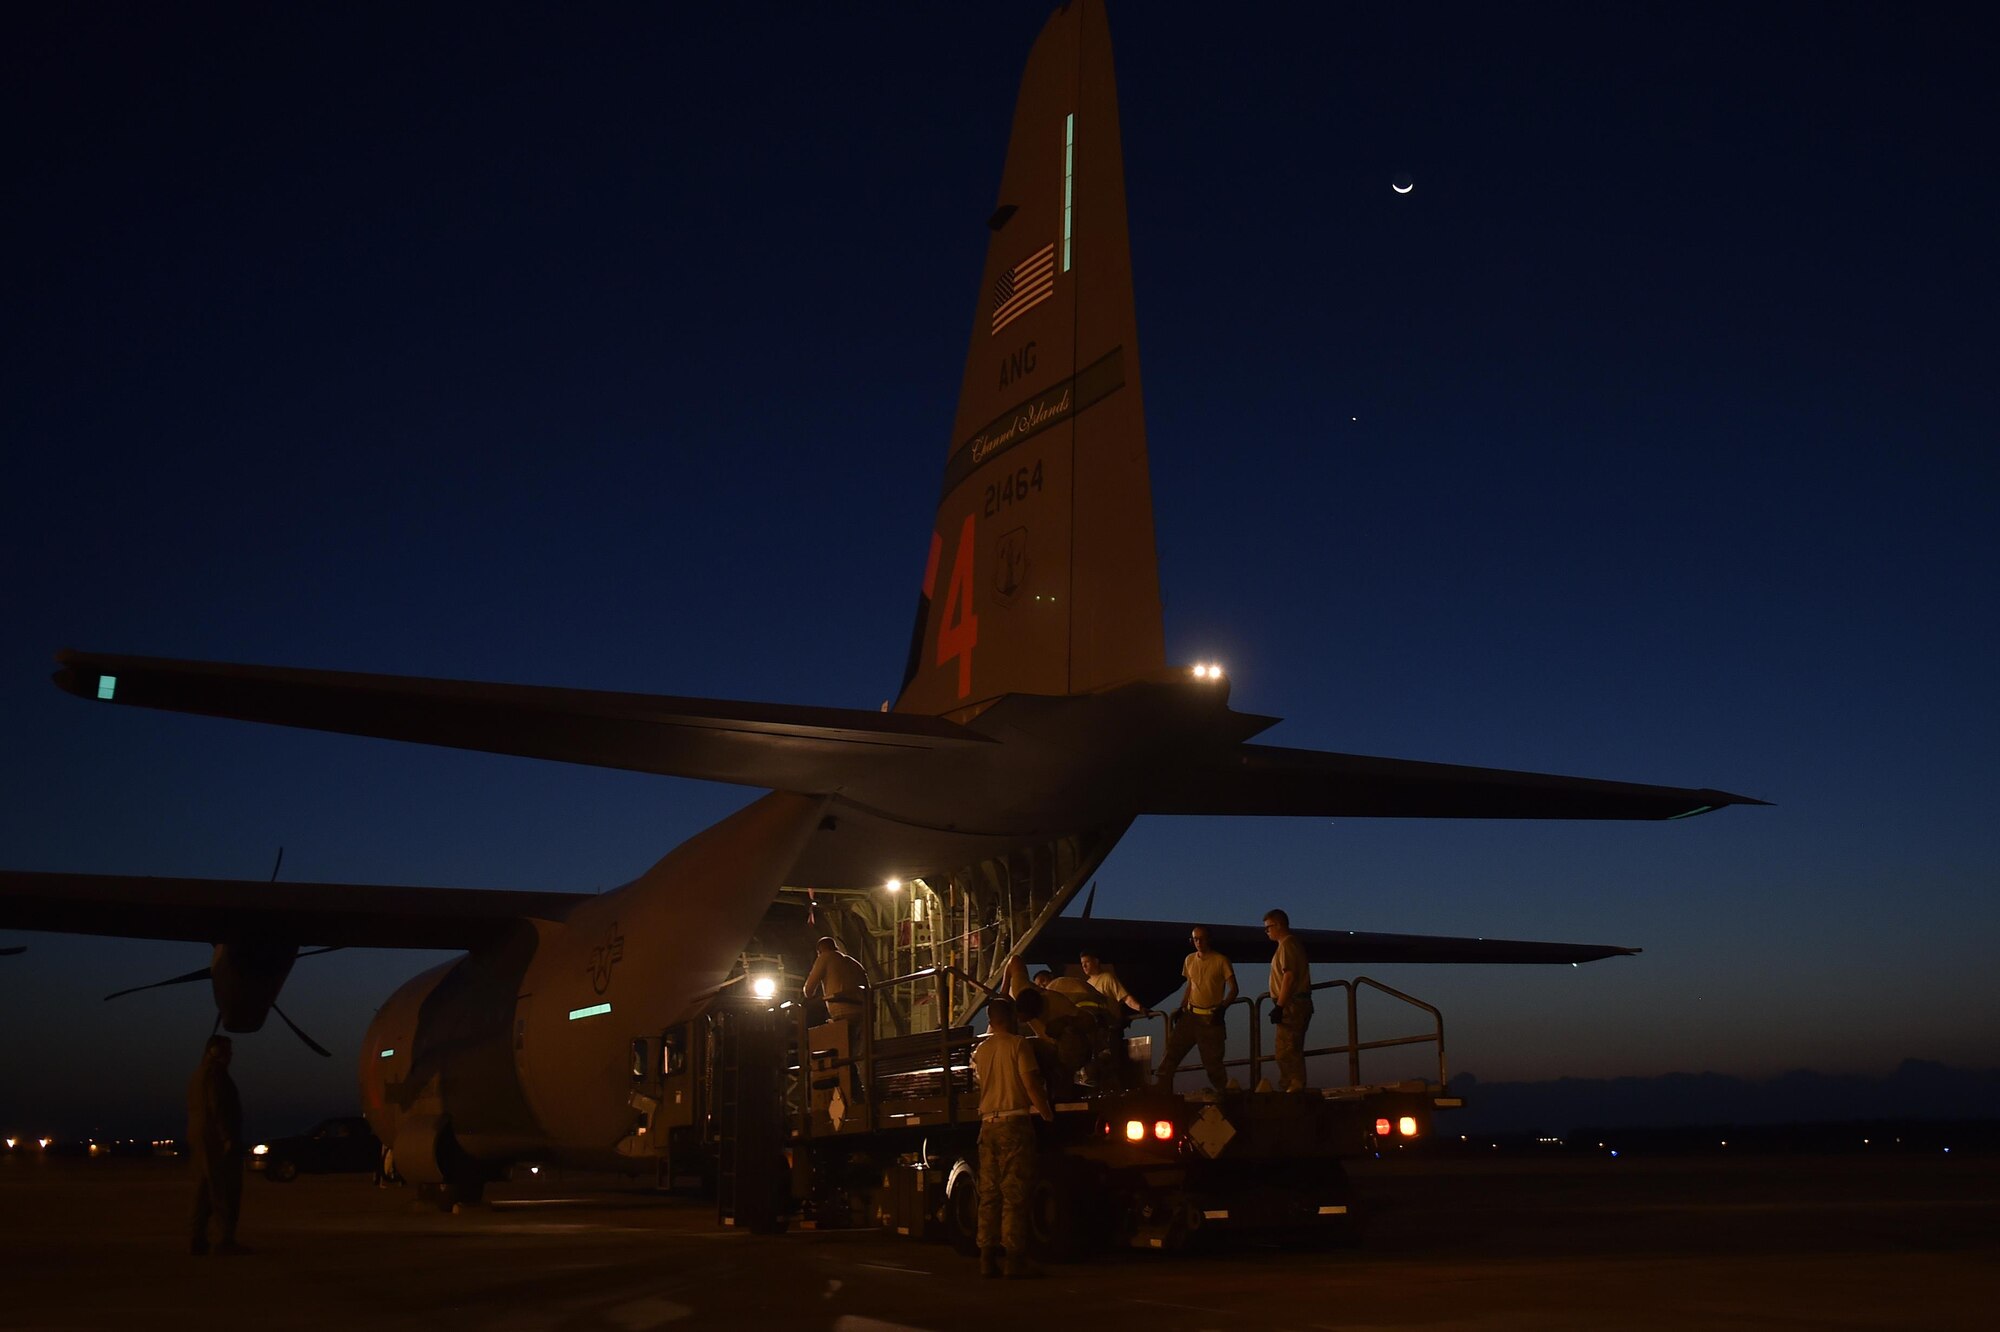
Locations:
column 203, row 974
column 311, row 1044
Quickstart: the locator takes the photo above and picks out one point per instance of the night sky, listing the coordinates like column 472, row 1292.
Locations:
column 1651, row 437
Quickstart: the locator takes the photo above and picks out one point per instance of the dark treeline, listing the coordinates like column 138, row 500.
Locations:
column 1917, row 1089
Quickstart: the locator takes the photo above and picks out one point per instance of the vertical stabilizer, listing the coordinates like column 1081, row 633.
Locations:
column 1042, row 576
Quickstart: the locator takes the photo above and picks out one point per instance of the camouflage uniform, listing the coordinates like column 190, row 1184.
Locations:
column 215, row 1150
column 1210, row 982
column 1191, row 1029
column 1006, row 1174
column 1009, row 1087
column 1291, row 1042
column 1290, row 1036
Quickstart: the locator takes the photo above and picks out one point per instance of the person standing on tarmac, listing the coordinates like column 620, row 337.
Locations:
column 1291, row 999
column 215, row 1148
column 1010, row 1089
column 1211, row 984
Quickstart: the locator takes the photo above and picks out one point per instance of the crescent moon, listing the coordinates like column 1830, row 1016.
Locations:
column 1403, row 189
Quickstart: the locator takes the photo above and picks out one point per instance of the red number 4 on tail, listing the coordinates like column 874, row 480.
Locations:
column 958, row 628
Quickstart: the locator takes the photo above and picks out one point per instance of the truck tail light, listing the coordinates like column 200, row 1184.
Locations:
column 1163, row 1129
column 1383, row 1128
column 1407, row 1126
column 1135, row 1130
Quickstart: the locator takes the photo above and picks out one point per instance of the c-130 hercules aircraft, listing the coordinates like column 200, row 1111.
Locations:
column 1038, row 717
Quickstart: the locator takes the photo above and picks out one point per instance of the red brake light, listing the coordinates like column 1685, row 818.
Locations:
column 1163, row 1129
column 1383, row 1128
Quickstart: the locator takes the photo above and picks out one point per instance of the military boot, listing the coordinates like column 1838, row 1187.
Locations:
column 1020, row 1267
column 989, row 1262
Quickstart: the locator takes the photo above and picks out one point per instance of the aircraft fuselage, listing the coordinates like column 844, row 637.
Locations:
column 523, row 1048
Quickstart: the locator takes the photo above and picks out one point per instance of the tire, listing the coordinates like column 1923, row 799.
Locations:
column 281, row 1171
column 961, row 1208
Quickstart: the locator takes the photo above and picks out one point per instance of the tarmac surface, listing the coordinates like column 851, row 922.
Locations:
column 1452, row 1244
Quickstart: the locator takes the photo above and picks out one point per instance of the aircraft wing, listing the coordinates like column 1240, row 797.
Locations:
column 806, row 749
column 354, row 915
column 1264, row 779
column 1127, row 941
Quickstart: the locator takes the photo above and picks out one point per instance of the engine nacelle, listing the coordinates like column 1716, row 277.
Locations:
column 246, row 976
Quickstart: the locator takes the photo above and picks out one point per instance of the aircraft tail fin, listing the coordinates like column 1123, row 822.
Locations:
column 1042, row 576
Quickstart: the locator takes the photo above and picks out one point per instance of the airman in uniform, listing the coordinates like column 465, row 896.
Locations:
column 1117, row 1070
column 843, row 981
column 1105, row 981
column 1010, row 1089
column 1211, row 984
column 1291, row 999
column 215, row 1148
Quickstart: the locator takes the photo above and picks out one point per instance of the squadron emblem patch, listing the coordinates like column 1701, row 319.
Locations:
column 604, row 957
column 1010, row 565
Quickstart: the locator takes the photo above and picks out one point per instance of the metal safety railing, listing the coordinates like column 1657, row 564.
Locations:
column 1354, row 1044
column 1351, row 1048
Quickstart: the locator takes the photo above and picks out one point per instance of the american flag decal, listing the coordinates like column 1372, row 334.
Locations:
column 1024, row 286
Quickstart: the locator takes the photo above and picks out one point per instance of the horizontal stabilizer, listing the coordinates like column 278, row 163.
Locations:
column 1263, row 779
column 359, row 915
column 805, row 749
